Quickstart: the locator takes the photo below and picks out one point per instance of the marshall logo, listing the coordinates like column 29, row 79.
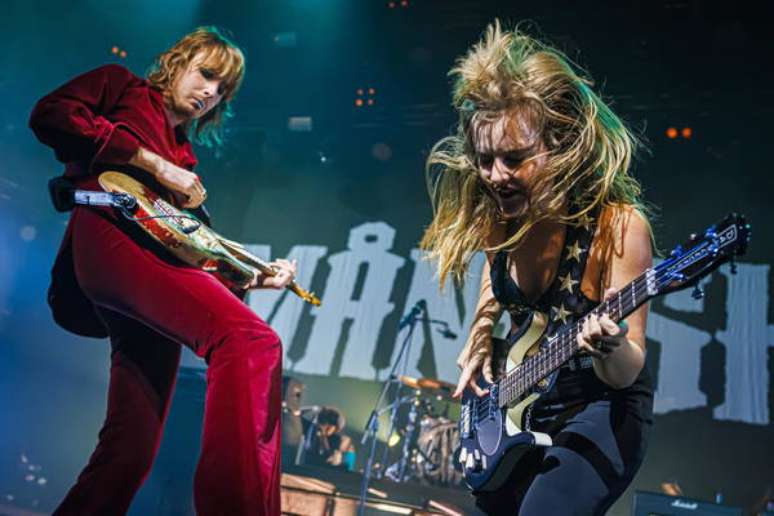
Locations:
column 685, row 505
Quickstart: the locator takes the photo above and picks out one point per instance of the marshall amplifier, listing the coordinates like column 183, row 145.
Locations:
column 654, row 504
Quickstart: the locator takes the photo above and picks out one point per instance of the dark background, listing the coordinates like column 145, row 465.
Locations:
column 662, row 63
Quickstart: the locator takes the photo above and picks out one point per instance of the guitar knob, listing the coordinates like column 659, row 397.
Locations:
column 463, row 455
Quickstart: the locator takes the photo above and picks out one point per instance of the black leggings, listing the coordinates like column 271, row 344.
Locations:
column 595, row 455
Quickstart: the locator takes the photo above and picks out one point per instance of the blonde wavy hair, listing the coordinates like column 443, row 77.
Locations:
column 588, row 149
column 220, row 55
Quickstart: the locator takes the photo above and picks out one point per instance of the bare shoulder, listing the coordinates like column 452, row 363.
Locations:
column 623, row 226
column 626, row 248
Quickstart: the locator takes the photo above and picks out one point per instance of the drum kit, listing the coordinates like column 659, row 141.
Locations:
column 428, row 436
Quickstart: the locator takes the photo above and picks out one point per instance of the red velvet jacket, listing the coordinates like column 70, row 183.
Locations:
column 95, row 122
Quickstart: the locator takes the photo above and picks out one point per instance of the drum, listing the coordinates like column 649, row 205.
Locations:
column 435, row 459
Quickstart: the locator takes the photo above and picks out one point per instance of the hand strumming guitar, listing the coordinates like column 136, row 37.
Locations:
column 184, row 184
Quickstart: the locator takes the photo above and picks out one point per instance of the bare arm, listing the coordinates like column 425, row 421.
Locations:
column 180, row 181
column 476, row 357
column 628, row 256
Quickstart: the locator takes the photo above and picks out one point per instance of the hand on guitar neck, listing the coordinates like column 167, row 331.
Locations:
column 285, row 272
column 601, row 336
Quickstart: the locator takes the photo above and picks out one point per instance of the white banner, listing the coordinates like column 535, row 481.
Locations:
column 358, row 296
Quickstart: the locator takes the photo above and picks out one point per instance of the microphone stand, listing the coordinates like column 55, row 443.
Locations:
column 372, row 426
column 444, row 327
column 306, row 438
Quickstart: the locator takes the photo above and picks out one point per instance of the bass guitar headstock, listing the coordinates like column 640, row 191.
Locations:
column 700, row 255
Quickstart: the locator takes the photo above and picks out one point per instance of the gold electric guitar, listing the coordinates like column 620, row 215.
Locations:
column 189, row 239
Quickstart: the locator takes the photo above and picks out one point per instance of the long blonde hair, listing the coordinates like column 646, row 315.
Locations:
column 587, row 158
column 223, row 57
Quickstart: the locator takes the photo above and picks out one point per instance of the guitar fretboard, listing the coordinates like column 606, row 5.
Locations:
column 563, row 345
column 682, row 266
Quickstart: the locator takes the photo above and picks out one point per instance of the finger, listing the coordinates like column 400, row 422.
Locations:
column 609, row 293
column 609, row 328
column 191, row 202
column 469, row 373
column 584, row 344
column 594, row 329
column 463, row 382
column 476, row 389
column 463, row 357
column 588, row 347
column 596, row 352
column 585, row 333
column 486, row 369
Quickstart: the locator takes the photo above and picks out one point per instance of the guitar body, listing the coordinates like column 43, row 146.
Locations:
column 190, row 240
column 493, row 439
column 200, row 248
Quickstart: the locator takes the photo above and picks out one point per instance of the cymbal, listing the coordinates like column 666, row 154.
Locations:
column 432, row 383
column 409, row 381
column 426, row 383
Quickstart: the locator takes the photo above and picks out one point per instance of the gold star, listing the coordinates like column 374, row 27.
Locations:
column 561, row 313
column 584, row 221
column 574, row 251
column 567, row 282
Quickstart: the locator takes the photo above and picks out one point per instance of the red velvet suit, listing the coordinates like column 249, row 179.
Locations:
column 108, row 282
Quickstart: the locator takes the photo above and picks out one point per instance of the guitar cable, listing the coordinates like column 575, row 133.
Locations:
column 64, row 198
column 187, row 230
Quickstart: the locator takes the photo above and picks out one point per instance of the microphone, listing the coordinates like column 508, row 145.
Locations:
column 413, row 313
column 447, row 333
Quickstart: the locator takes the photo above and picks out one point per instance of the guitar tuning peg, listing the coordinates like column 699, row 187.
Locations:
column 697, row 292
column 692, row 236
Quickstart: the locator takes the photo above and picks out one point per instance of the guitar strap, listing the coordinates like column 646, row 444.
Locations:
column 563, row 301
column 567, row 301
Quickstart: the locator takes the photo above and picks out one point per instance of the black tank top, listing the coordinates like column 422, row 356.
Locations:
column 564, row 302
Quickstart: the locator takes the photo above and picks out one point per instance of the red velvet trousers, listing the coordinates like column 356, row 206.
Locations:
column 151, row 306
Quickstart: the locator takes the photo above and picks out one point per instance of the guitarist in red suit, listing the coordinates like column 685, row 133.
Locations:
column 111, row 281
column 537, row 177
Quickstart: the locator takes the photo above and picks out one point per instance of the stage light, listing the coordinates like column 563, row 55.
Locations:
column 393, row 440
column 687, row 132
column 391, row 5
column 114, row 50
column 365, row 96
column 671, row 133
column 404, row 3
column 671, row 488
column 122, row 54
column 28, row 233
column 300, row 124
column 284, row 39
